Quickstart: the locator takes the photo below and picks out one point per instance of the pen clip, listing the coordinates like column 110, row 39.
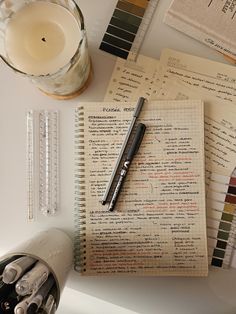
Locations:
column 136, row 141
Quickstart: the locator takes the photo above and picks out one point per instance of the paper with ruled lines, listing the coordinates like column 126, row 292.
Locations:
column 159, row 224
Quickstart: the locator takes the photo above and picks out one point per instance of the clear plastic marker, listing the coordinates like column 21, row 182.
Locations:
column 40, row 296
column 50, row 304
column 21, row 307
column 6, row 261
column 33, row 279
column 16, row 269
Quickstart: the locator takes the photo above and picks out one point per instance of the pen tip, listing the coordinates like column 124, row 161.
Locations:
column 32, row 309
column 103, row 202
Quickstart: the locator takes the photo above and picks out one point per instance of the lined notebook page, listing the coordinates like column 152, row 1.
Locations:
column 159, row 224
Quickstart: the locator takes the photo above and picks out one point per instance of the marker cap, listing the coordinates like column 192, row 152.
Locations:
column 9, row 276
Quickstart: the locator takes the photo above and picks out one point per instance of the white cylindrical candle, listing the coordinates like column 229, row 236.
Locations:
column 41, row 38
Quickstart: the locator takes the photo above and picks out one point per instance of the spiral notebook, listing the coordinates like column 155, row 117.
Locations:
column 159, row 224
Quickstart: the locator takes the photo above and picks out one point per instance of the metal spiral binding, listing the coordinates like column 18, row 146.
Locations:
column 80, row 199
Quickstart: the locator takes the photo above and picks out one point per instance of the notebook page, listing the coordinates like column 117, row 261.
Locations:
column 159, row 225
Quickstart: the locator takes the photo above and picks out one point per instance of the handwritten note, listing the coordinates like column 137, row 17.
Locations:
column 220, row 148
column 220, row 128
column 158, row 227
column 129, row 81
column 219, row 79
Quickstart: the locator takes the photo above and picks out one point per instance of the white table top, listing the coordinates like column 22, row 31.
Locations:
column 215, row 294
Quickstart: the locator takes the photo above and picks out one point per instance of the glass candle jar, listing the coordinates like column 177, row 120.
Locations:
column 46, row 42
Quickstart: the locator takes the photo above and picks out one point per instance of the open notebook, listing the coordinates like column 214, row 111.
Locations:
column 159, row 224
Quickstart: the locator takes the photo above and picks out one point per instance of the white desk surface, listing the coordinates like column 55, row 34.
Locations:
column 215, row 294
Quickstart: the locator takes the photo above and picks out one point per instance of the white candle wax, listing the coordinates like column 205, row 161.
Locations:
column 41, row 38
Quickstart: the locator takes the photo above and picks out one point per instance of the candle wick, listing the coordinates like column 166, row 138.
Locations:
column 43, row 39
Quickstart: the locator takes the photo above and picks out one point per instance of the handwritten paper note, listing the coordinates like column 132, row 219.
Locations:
column 158, row 227
column 220, row 127
column 129, row 81
column 220, row 154
column 218, row 79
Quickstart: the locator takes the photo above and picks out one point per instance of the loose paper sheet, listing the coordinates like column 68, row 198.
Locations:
column 130, row 81
column 220, row 125
column 220, row 153
column 218, row 79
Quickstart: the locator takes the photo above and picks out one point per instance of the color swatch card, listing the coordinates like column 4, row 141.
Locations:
column 221, row 219
column 127, row 27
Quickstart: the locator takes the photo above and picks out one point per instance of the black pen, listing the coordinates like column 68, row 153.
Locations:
column 136, row 113
column 132, row 151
